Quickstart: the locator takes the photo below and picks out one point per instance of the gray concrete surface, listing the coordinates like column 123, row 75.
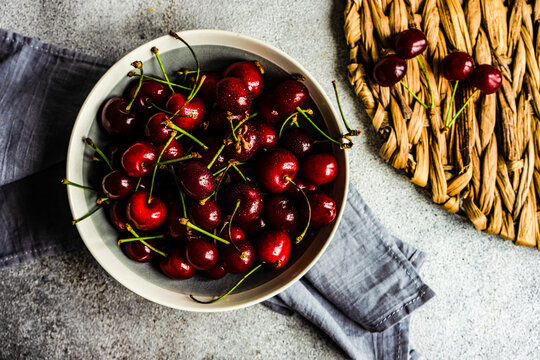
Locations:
column 68, row 307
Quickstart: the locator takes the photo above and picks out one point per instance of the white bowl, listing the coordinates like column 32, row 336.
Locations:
column 215, row 49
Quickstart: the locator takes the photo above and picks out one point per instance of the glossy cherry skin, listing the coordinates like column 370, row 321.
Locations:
column 274, row 248
column 247, row 145
column 236, row 232
column 145, row 216
column 117, row 184
column 268, row 134
column 208, row 88
column 289, row 95
column 389, row 70
column 215, row 273
column 176, row 266
column 486, row 78
column 233, row 95
column 173, row 228
column 207, row 216
column 202, row 254
column 151, row 92
column 220, row 120
column 117, row 214
column 255, row 226
column 235, row 262
column 196, row 180
column 457, row 66
column 294, row 193
column 267, row 110
column 251, row 201
column 319, row 169
column 249, row 73
column 138, row 159
column 139, row 252
column 323, row 209
column 194, row 110
column 213, row 143
column 280, row 213
column 275, row 166
column 174, row 150
column 155, row 132
column 410, row 43
column 298, row 141
column 118, row 121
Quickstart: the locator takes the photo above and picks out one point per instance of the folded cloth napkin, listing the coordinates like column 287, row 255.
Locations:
column 360, row 292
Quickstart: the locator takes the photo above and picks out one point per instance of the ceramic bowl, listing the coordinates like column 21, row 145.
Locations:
column 215, row 49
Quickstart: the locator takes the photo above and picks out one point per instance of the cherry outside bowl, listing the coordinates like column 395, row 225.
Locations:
column 215, row 49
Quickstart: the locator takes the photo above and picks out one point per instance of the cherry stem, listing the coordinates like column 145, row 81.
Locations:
column 138, row 65
column 102, row 200
column 156, row 52
column 98, row 150
column 232, row 127
column 87, row 215
column 121, row 241
column 221, row 177
column 171, row 125
column 414, row 95
column 301, row 236
column 186, row 222
column 130, row 229
column 87, row 188
column 186, row 72
column 180, row 192
column 316, row 127
column 462, row 108
column 231, row 290
column 159, row 108
column 293, row 115
column 176, row 36
column 230, row 225
column 451, row 102
column 160, row 81
column 427, row 80
column 239, row 172
column 138, row 184
column 341, row 110
column 215, row 156
column 243, row 121
column 173, row 134
column 193, row 155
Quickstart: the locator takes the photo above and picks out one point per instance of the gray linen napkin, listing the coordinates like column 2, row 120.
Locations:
column 362, row 304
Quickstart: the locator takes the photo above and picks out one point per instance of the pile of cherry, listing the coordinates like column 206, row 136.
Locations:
column 212, row 174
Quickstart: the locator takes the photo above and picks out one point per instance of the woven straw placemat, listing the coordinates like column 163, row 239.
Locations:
column 486, row 166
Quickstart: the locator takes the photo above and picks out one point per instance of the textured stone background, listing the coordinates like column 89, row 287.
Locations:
column 67, row 306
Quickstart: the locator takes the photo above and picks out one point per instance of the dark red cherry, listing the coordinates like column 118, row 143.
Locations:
column 213, row 143
column 289, row 95
column 196, row 180
column 118, row 121
column 207, row 215
column 250, row 73
column 275, row 166
column 274, row 248
column 145, row 216
column 236, row 232
column 233, row 95
column 191, row 115
column 202, row 254
column 298, row 141
column 267, row 110
column 173, row 228
column 215, row 273
column 319, row 169
column 246, row 146
column 176, row 266
column 457, row 66
column 139, row 252
column 117, row 214
column 280, row 213
column 294, row 193
column 220, row 120
column 208, row 87
column 323, row 209
column 410, row 43
column 486, row 78
column 268, row 135
column 251, row 201
column 138, row 159
column 155, row 131
column 236, row 262
column 174, row 150
column 117, row 184
column 150, row 92
column 389, row 70
column 255, row 226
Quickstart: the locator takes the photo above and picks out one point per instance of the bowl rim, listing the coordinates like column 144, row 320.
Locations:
column 167, row 43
